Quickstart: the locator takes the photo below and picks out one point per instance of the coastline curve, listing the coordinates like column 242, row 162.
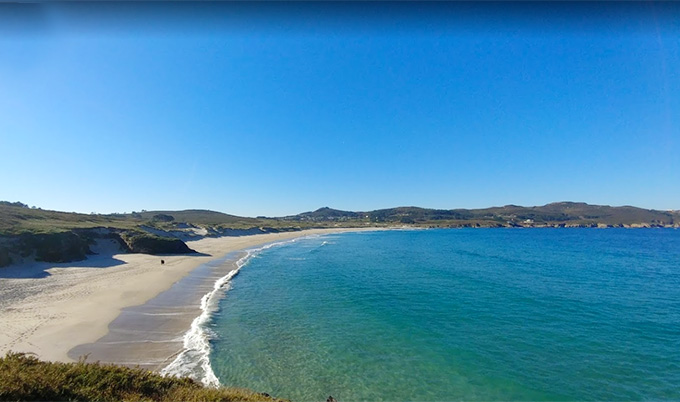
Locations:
column 194, row 359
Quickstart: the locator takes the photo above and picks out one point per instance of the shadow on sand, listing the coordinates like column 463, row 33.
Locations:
column 37, row 270
column 196, row 254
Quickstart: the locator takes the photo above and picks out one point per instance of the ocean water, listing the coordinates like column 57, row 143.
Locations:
column 459, row 314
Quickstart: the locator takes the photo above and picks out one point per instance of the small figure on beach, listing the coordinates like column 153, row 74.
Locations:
column 162, row 262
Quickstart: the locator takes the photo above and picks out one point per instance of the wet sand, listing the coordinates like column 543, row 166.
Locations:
column 57, row 310
column 150, row 335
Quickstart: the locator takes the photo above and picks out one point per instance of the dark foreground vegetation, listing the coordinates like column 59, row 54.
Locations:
column 25, row 378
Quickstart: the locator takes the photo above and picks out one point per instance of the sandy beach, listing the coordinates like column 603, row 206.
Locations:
column 49, row 309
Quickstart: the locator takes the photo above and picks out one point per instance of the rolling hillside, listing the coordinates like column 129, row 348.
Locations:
column 560, row 214
column 64, row 236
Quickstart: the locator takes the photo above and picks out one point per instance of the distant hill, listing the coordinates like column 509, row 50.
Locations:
column 559, row 214
column 27, row 232
column 325, row 214
column 17, row 218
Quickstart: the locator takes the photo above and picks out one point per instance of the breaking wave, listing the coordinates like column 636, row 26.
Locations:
column 194, row 359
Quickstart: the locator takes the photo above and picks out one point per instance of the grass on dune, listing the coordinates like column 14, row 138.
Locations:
column 17, row 220
column 25, row 378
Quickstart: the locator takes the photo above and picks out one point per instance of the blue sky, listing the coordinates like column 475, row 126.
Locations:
column 275, row 109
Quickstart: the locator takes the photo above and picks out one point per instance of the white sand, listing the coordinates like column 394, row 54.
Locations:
column 48, row 308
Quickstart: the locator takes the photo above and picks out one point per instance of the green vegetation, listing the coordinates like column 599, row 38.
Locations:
column 55, row 236
column 52, row 247
column 17, row 218
column 560, row 214
column 25, row 378
column 57, row 247
column 20, row 220
column 61, row 236
column 142, row 242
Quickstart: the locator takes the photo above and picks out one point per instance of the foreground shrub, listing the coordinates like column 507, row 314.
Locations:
column 25, row 378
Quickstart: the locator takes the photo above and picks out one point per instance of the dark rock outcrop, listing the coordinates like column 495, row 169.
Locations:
column 74, row 245
column 55, row 247
column 139, row 242
column 5, row 259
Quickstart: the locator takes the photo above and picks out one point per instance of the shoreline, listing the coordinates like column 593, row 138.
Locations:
column 51, row 309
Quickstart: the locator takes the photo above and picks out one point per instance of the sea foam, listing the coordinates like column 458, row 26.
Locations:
column 194, row 359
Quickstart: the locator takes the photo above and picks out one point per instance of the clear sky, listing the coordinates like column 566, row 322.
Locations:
column 275, row 109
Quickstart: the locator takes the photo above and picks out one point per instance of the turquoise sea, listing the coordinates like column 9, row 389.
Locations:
column 458, row 314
